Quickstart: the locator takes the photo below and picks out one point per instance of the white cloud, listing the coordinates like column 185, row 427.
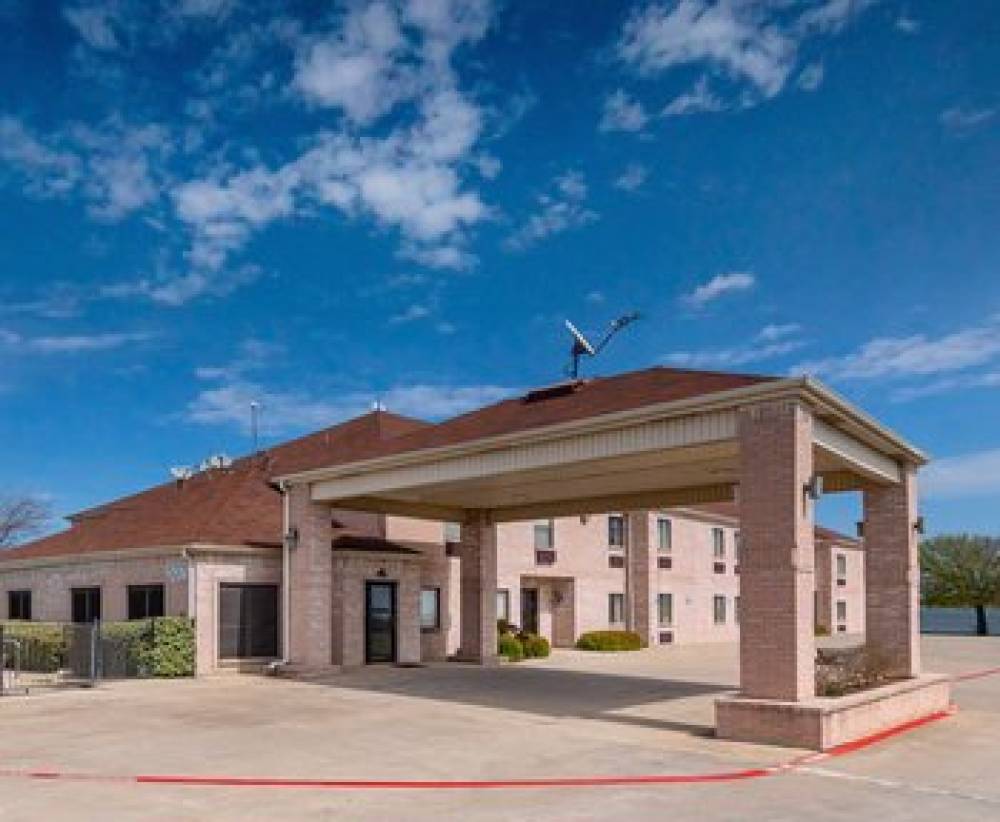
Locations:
column 69, row 343
column 770, row 342
column 753, row 43
column 946, row 386
column 562, row 210
column 719, row 285
column 632, row 178
column 962, row 118
column 283, row 412
column 596, row 297
column 907, row 24
column 915, row 355
column 811, row 77
column 622, row 113
column 733, row 37
column 94, row 25
column 699, row 99
column 969, row 475
column 413, row 312
column 48, row 171
column 202, row 8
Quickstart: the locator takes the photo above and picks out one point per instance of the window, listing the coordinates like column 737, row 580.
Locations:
column 718, row 543
column 665, row 608
column 145, row 601
column 736, row 610
column 544, row 535
column 841, row 569
column 719, row 609
column 503, row 604
column 19, row 605
column 86, row 604
column 616, row 531
column 616, row 609
column 664, row 535
column 452, row 532
column 430, row 609
column 841, row 610
column 248, row 621
column 737, row 546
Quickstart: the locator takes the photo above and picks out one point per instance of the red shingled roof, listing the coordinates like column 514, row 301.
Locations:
column 234, row 506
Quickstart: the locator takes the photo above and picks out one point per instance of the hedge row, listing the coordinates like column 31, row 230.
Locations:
column 609, row 641
column 163, row 647
column 522, row 645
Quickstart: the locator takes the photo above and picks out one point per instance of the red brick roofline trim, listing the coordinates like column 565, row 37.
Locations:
column 808, row 389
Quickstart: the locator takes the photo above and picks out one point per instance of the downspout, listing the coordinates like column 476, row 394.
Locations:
column 286, row 567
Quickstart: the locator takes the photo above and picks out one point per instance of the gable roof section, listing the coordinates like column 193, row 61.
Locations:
column 234, row 506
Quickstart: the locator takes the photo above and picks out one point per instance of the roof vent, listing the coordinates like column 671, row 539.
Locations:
column 550, row 392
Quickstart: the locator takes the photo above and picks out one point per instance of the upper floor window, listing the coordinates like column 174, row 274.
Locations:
column 719, row 609
column 737, row 546
column 665, row 608
column 841, row 569
column 452, row 532
column 544, row 535
column 718, row 543
column 616, row 531
column 19, row 605
column 841, row 610
column 664, row 535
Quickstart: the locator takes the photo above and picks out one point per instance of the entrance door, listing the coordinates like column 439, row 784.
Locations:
column 380, row 622
column 529, row 610
column 248, row 621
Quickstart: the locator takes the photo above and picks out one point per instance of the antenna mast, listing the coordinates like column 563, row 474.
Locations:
column 254, row 410
column 582, row 347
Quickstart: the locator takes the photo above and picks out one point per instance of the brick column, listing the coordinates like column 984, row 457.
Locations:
column 777, row 643
column 478, row 585
column 892, row 585
column 641, row 576
column 311, row 582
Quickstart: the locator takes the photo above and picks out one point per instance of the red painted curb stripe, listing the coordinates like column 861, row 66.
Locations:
column 565, row 782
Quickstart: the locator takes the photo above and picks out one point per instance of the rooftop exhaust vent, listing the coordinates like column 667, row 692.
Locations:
column 550, row 392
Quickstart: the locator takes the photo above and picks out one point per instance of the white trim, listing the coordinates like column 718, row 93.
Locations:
column 98, row 557
column 863, row 458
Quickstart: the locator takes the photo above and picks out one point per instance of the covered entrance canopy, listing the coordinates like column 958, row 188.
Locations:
column 656, row 438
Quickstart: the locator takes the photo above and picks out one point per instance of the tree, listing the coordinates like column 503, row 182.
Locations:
column 20, row 517
column 962, row 571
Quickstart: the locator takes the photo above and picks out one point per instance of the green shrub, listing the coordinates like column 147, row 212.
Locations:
column 609, row 641
column 535, row 646
column 172, row 652
column 510, row 646
column 43, row 644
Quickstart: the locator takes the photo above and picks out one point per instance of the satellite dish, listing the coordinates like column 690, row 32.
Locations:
column 181, row 473
column 579, row 341
column 582, row 346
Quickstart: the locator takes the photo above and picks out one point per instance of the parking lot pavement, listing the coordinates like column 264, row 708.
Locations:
column 573, row 715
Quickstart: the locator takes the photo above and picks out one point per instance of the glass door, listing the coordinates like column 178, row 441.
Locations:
column 380, row 622
column 529, row 610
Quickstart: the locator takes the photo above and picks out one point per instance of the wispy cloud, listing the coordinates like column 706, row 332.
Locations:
column 699, row 99
column 770, row 342
column 976, row 474
column 811, row 77
column 964, row 118
column 632, row 178
column 69, row 343
column 622, row 113
column 720, row 285
column 561, row 209
column 914, row 355
column 907, row 24
column 947, row 385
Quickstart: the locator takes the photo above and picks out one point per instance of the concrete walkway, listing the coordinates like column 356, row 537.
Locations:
column 576, row 714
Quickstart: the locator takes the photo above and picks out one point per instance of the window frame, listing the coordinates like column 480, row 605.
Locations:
column 841, row 568
column 616, row 602
column 146, row 589
column 719, row 543
column 660, row 598
column 20, row 596
column 94, row 614
column 503, row 594
column 619, row 520
column 719, row 609
column 841, row 610
column 436, row 591
column 661, row 548
column 545, row 526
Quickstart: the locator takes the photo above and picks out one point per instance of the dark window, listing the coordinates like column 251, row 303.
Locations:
column 430, row 609
column 616, row 608
column 616, row 531
column 86, row 604
column 665, row 562
column 19, row 605
column 145, row 601
column 248, row 621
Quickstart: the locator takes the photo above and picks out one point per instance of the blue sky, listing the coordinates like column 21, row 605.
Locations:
column 320, row 205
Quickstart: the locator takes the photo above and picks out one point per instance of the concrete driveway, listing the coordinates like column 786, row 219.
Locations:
column 575, row 714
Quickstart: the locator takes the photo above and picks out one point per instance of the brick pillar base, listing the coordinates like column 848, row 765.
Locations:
column 641, row 576
column 478, row 589
column 310, row 582
column 777, row 641
column 892, row 589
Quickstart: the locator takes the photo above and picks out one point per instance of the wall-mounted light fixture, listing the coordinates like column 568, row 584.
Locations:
column 918, row 526
column 860, row 526
column 814, row 488
column 292, row 539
